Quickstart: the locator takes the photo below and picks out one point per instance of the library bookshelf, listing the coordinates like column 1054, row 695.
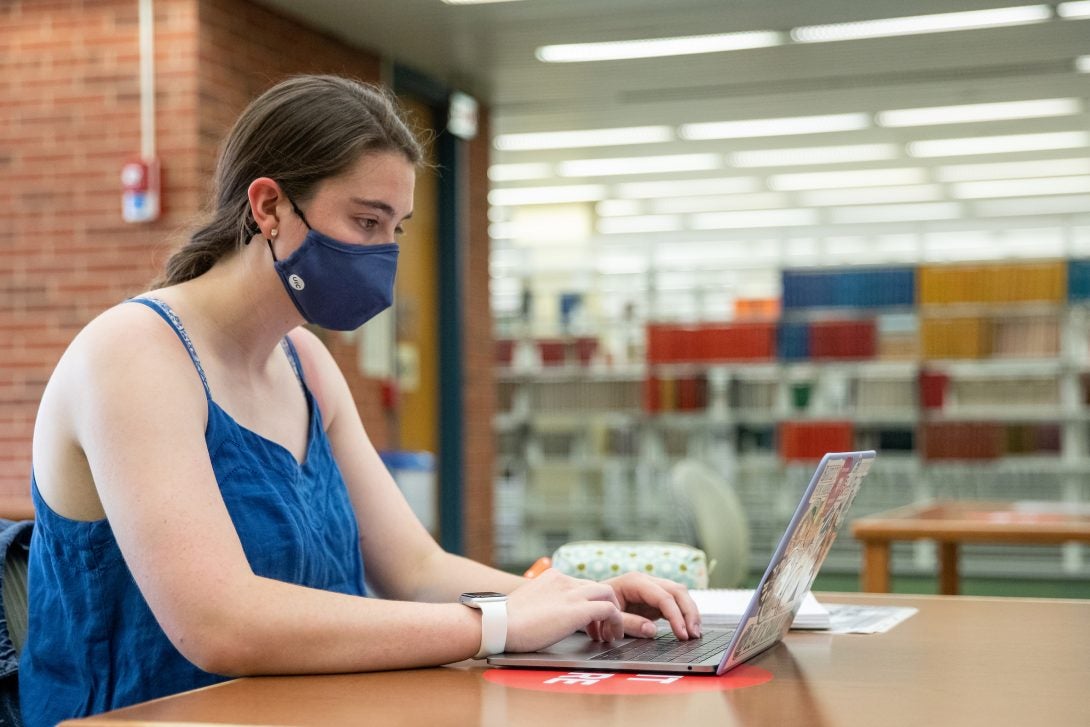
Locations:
column 972, row 382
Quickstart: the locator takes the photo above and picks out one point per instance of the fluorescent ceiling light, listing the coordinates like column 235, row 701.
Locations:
column 621, row 264
column 915, row 24
column 724, row 257
column 618, row 208
column 685, row 187
column 853, row 245
column 638, row 165
column 960, row 246
column 1082, row 64
column 895, row 213
column 774, row 127
column 1022, row 187
column 969, row 113
column 852, row 178
column 871, row 195
column 643, row 223
column 754, row 218
column 477, row 2
column 813, row 155
column 546, row 195
column 719, row 203
column 1011, row 170
column 1071, row 204
column 656, row 47
column 998, row 144
column 1078, row 9
column 516, row 172
column 699, row 255
column 582, row 138
column 560, row 223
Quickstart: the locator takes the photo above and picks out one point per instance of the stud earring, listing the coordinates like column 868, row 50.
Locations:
column 273, row 232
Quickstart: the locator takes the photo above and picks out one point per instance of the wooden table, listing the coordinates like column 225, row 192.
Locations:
column 959, row 661
column 952, row 523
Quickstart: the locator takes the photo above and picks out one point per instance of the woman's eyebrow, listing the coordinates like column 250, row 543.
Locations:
column 379, row 205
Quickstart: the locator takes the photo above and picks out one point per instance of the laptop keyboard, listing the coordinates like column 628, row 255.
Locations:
column 666, row 648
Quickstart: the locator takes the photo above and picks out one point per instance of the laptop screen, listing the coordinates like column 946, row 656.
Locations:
column 801, row 551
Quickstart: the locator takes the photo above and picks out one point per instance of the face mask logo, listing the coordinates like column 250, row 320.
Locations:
column 338, row 285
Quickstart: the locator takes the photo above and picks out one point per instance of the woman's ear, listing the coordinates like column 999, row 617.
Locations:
column 264, row 195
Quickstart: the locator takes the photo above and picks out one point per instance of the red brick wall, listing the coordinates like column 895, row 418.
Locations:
column 480, row 393
column 69, row 96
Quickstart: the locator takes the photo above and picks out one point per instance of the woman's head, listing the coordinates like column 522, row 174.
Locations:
column 301, row 131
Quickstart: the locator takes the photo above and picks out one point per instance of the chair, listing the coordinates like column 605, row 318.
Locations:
column 15, row 549
column 14, row 590
column 712, row 518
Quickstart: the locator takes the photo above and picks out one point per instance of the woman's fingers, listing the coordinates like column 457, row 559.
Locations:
column 553, row 605
column 670, row 600
column 546, row 609
column 635, row 625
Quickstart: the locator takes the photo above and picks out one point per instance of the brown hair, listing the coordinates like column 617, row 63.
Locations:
column 299, row 132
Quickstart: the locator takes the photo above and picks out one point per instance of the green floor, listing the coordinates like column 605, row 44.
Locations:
column 1034, row 588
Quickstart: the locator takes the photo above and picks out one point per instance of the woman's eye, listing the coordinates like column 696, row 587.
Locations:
column 369, row 224
column 399, row 230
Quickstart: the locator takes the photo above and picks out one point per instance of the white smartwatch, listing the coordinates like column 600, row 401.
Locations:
column 493, row 608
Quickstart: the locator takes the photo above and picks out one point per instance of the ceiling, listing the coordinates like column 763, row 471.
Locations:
column 489, row 51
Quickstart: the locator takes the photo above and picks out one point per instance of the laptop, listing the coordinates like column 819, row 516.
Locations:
column 767, row 618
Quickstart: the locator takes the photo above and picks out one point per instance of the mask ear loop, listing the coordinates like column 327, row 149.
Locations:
column 298, row 211
column 249, row 229
column 252, row 228
column 273, row 231
column 268, row 241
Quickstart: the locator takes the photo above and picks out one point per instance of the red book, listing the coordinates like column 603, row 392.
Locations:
column 933, row 386
column 843, row 339
column 811, row 440
column 739, row 342
column 652, row 398
column 658, row 344
column 552, row 352
column 505, row 351
column 963, row 440
column 688, row 394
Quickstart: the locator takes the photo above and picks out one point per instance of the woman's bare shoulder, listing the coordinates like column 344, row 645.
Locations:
column 122, row 344
column 122, row 365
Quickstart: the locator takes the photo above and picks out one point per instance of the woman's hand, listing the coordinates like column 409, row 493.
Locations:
column 545, row 609
column 551, row 606
column 645, row 598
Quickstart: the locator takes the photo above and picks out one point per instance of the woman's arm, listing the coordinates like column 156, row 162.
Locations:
column 404, row 562
column 138, row 413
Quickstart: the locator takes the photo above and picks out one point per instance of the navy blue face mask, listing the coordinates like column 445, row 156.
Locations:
column 338, row 285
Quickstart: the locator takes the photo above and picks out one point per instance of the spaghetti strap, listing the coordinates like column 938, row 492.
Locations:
column 293, row 359
column 167, row 314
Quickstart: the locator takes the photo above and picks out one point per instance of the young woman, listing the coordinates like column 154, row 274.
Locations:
column 206, row 495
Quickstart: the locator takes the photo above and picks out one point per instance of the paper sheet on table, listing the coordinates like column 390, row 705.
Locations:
column 723, row 607
column 855, row 619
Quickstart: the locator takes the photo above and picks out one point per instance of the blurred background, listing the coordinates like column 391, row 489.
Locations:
column 735, row 231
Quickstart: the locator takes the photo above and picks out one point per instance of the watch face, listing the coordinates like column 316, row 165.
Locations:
column 483, row 596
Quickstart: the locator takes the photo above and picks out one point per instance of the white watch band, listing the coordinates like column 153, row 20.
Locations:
column 493, row 627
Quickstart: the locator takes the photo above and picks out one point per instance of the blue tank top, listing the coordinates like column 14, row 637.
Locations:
column 92, row 642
